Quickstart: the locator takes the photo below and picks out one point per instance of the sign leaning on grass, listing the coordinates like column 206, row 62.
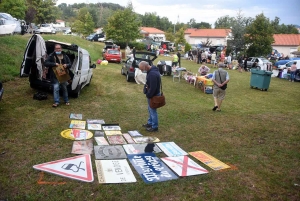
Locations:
column 171, row 149
column 78, row 167
column 114, row 171
column 151, row 168
column 184, row 166
column 209, row 160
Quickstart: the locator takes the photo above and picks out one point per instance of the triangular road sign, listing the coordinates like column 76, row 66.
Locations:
column 78, row 167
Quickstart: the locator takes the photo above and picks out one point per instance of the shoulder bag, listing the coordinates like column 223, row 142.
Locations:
column 224, row 87
column 158, row 101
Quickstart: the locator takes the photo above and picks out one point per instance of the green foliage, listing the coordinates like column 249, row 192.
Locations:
column 259, row 36
column 224, row 22
column 152, row 20
column 283, row 29
column 123, row 26
column 15, row 8
column 170, row 35
column 84, row 24
column 179, row 37
column 46, row 11
column 187, row 47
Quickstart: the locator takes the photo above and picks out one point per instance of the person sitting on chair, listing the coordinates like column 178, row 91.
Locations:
column 203, row 70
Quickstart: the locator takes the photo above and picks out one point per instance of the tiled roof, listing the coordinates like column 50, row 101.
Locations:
column 208, row 32
column 152, row 30
column 286, row 39
column 59, row 21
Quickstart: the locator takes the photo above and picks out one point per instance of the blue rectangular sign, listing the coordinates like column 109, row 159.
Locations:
column 151, row 168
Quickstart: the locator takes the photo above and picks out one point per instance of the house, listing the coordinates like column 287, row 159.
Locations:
column 286, row 43
column 59, row 23
column 215, row 36
column 151, row 32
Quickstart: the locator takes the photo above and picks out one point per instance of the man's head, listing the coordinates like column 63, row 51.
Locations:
column 221, row 65
column 57, row 49
column 144, row 66
column 203, row 66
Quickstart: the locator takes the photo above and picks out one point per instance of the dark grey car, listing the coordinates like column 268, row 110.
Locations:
column 129, row 66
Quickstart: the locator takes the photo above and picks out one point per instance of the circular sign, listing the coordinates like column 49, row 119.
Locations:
column 68, row 134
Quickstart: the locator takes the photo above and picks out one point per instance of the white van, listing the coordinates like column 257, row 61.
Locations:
column 47, row 29
column 36, row 53
column 9, row 25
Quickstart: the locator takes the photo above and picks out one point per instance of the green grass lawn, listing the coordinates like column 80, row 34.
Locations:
column 257, row 133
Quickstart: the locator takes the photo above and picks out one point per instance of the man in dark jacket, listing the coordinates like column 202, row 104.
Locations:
column 55, row 59
column 179, row 57
column 151, row 88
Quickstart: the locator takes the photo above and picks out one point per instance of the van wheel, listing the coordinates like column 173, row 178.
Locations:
column 77, row 92
column 122, row 71
column 127, row 78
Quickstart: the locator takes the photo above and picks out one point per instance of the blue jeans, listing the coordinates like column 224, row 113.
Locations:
column 293, row 73
column 63, row 85
column 153, row 117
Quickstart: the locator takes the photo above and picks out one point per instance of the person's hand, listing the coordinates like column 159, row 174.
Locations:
column 56, row 64
column 65, row 65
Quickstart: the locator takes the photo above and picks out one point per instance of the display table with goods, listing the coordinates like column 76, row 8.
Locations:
column 204, row 83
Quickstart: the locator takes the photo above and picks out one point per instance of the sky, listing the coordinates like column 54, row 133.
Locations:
column 210, row 10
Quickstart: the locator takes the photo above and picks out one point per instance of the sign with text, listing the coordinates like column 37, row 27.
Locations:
column 109, row 152
column 151, row 168
column 114, row 171
column 209, row 160
column 171, row 149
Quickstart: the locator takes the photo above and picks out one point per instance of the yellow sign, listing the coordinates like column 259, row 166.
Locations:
column 68, row 134
column 209, row 160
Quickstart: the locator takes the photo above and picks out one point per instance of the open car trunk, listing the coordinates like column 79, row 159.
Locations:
column 36, row 53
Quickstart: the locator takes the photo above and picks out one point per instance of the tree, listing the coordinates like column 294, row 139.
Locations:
column 259, row 36
column 170, row 35
column 192, row 23
column 236, row 41
column 84, row 23
column 16, row 8
column 179, row 37
column 224, row 22
column 203, row 25
column 46, row 11
column 123, row 26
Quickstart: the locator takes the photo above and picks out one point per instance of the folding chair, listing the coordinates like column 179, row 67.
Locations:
column 176, row 74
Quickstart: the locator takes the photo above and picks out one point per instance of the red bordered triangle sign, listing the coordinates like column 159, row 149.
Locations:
column 78, row 167
column 184, row 166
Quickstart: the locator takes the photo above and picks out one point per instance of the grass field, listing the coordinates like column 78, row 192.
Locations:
column 257, row 133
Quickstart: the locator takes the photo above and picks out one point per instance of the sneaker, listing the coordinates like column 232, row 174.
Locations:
column 152, row 129
column 147, row 125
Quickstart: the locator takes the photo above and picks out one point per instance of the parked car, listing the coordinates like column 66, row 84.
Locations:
column 47, row 29
column 81, row 71
column 262, row 63
column 9, row 24
column 1, row 90
column 109, row 44
column 94, row 37
column 129, row 66
column 289, row 64
column 102, row 39
column 112, row 55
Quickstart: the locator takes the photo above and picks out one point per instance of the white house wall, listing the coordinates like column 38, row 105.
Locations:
column 158, row 37
column 286, row 50
column 214, row 41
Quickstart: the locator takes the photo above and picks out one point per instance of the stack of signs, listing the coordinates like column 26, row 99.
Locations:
column 77, row 124
column 78, row 167
column 135, row 133
column 78, row 134
column 171, row 149
column 209, row 160
column 151, row 168
column 109, row 152
column 114, row 171
column 141, row 148
column 94, row 124
column 75, row 116
column 128, row 138
column 82, row 147
column 145, row 139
